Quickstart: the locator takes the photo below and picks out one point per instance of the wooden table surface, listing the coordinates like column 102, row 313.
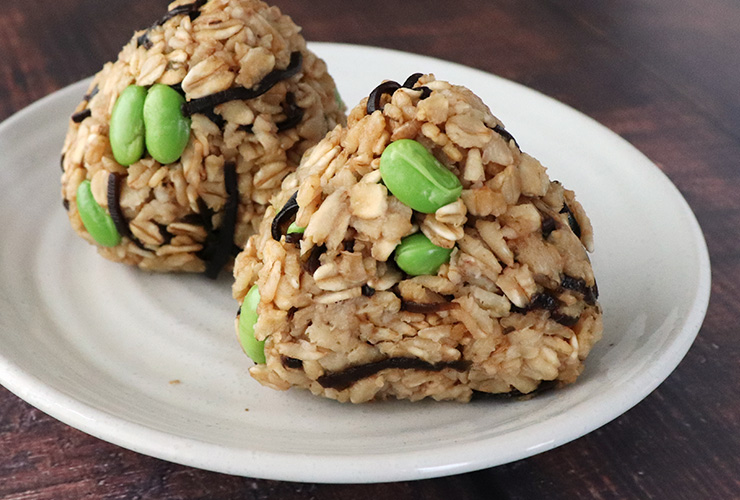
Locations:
column 663, row 74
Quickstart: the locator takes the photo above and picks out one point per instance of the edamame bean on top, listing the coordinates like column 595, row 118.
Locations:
column 197, row 145
column 434, row 259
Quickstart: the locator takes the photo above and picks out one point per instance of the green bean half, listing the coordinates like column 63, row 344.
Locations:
column 295, row 228
column 414, row 176
column 417, row 255
column 126, row 131
column 96, row 220
column 166, row 129
column 254, row 348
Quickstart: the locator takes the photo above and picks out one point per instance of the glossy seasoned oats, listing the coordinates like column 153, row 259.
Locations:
column 255, row 100
column 509, row 308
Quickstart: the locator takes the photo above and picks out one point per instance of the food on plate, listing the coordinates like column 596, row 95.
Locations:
column 419, row 252
column 178, row 146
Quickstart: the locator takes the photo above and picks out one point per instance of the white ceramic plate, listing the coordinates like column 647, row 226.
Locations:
column 98, row 345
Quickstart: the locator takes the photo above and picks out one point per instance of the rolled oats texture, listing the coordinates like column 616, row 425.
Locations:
column 174, row 217
column 514, row 310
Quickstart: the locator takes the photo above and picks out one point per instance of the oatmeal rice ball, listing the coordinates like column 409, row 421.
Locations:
column 178, row 146
column 419, row 252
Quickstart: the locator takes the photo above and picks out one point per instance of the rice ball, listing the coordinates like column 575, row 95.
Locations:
column 419, row 252
column 175, row 151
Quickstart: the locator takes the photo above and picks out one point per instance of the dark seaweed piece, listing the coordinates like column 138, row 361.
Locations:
column 294, row 238
column 61, row 162
column 572, row 222
column 418, row 307
column 367, row 290
column 241, row 93
column 564, row 319
column 425, row 92
column 191, row 9
column 144, row 41
column 81, row 115
column 225, row 233
column 343, row 379
column 575, row 284
column 206, row 214
column 217, row 119
column 194, row 219
column 291, row 122
column 540, row 300
column 114, row 208
column 293, row 114
column 543, row 300
column 518, row 310
column 411, row 80
column 548, row 226
column 373, row 101
column 166, row 235
column 506, row 135
column 204, row 217
column 194, row 14
column 65, row 204
column 91, row 94
column 592, row 293
column 283, row 217
column 291, row 363
column 313, row 262
column 544, row 386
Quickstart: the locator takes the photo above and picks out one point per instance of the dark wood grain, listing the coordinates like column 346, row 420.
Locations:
column 663, row 74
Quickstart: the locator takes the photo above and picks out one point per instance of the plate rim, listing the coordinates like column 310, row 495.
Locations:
column 186, row 451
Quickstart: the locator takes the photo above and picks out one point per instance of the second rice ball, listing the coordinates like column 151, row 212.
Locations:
column 416, row 253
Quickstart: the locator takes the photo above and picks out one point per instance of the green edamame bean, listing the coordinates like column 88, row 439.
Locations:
column 254, row 348
column 295, row 228
column 166, row 129
column 96, row 220
column 416, row 255
column 127, row 126
column 417, row 178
